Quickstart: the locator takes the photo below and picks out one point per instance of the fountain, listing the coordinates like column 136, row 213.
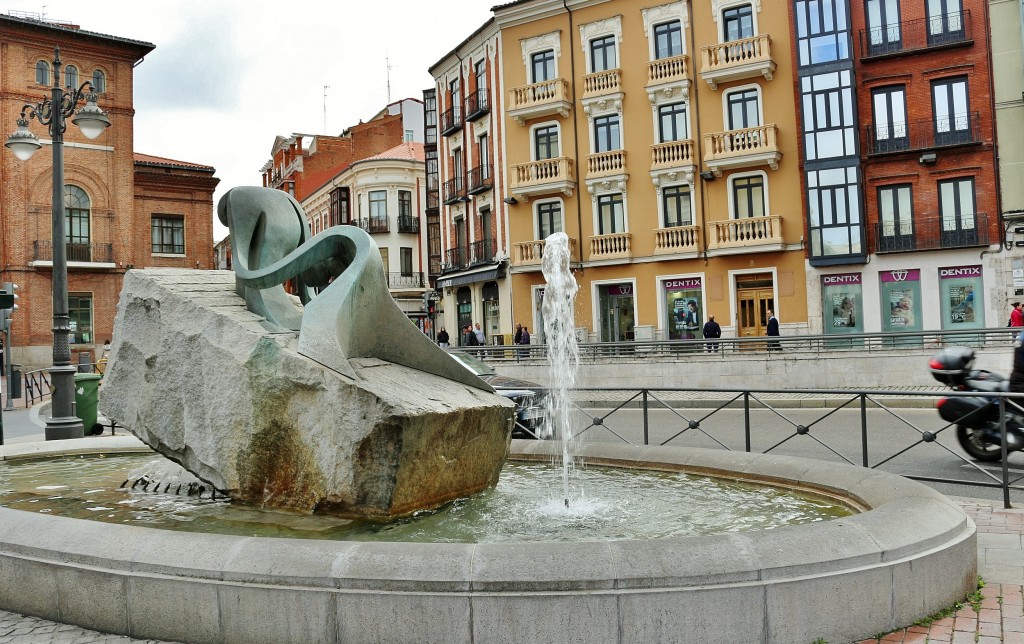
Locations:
column 908, row 553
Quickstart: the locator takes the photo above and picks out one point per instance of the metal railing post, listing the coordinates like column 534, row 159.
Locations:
column 646, row 425
column 746, row 418
column 864, row 428
column 1003, row 449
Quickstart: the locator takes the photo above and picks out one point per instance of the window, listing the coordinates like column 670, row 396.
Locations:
column 895, row 218
column 956, row 209
column 42, row 73
column 830, row 130
column 668, row 40
column 99, row 81
column 606, row 133
column 549, row 218
column 890, row 114
column 737, row 23
column 675, row 202
column 672, row 122
column 71, row 77
column 945, row 21
column 378, row 204
column 602, row 54
column 459, row 169
column 610, row 214
column 408, row 136
column 952, row 111
column 168, row 234
column 545, row 143
column 384, row 259
column 743, row 110
column 455, row 88
column 543, row 65
column 883, row 17
column 76, row 224
column 833, row 205
column 80, row 318
column 748, row 197
column 405, row 257
column 822, row 31
column 340, row 207
column 404, row 203
column 480, row 71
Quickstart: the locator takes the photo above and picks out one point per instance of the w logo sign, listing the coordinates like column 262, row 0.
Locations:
column 899, row 276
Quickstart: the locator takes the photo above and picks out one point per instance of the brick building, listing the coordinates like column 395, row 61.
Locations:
column 902, row 197
column 123, row 209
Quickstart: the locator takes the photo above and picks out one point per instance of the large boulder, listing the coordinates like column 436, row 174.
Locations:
column 224, row 393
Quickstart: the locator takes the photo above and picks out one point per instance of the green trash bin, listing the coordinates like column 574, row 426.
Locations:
column 87, row 398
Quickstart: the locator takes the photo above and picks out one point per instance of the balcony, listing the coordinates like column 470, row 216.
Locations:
column 678, row 240
column 531, row 253
column 948, row 30
column 602, row 88
column 669, row 77
column 925, row 134
column 405, row 280
column 671, row 159
column 78, row 255
column 482, row 252
column 931, row 232
column 375, row 224
column 747, row 148
column 481, row 179
column 539, row 99
column 750, row 234
column 451, row 120
column 606, row 164
column 408, row 224
column 477, row 105
column 736, row 60
column 455, row 191
column 614, row 246
column 455, row 259
column 542, row 177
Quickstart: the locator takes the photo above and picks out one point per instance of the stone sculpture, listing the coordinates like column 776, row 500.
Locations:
column 340, row 406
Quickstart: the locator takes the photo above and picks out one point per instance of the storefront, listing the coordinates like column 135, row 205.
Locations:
column 684, row 308
column 900, row 297
column 961, row 291
column 616, row 303
column 842, row 303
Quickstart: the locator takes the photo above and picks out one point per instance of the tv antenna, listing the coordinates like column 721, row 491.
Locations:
column 326, row 87
column 387, row 65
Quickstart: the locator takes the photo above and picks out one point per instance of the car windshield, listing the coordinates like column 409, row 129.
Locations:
column 474, row 364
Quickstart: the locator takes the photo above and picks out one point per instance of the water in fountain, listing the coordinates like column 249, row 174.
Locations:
column 563, row 352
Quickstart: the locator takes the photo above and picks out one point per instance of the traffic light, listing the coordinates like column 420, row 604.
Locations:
column 429, row 303
column 8, row 304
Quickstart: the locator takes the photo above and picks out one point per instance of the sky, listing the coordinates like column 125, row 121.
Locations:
column 228, row 76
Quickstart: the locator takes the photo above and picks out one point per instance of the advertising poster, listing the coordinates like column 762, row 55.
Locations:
column 685, row 308
column 900, row 292
column 842, row 303
column 961, row 289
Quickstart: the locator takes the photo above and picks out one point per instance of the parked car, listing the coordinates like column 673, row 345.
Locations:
column 528, row 396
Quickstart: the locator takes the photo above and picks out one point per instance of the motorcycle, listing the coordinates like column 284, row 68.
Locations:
column 977, row 417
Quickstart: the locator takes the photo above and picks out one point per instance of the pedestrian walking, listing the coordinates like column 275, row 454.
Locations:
column 1016, row 315
column 443, row 339
column 479, row 335
column 773, row 332
column 712, row 330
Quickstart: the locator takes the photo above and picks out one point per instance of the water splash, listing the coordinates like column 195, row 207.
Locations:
column 563, row 351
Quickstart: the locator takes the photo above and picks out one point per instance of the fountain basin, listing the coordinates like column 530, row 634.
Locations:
column 911, row 553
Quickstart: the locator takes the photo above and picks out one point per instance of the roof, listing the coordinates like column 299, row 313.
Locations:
column 161, row 162
column 141, row 46
column 408, row 151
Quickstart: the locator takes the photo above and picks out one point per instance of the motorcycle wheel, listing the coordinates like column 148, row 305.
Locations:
column 975, row 444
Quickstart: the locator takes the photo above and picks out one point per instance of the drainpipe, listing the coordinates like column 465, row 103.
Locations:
column 575, row 129
column 698, row 139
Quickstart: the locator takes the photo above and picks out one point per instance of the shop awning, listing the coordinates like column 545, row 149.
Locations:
column 471, row 278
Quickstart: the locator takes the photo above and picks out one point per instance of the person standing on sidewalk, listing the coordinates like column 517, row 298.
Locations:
column 773, row 332
column 712, row 330
column 1016, row 315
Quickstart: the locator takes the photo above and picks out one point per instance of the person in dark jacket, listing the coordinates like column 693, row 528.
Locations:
column 712, row 330
column 773, row 331
column 443, row 339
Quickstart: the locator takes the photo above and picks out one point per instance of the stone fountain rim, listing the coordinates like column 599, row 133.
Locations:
column 904, row 518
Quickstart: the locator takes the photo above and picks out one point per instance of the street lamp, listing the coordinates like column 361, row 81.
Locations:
column 53, row 113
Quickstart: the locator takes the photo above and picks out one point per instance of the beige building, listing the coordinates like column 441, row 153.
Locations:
column 664, row 143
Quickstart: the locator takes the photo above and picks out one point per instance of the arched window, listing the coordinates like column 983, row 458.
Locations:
column 71, row 77
column 76, row 224
column 42, row 73
column 99, row 81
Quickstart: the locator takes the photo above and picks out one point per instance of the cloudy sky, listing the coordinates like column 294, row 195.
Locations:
column 227, row 76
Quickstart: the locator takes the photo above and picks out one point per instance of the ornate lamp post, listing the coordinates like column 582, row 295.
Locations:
column 53, row 113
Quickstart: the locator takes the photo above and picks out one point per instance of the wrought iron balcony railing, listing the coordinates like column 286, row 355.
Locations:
column 481, row 179
column 406, row 280
column 946, row 30
column 455, row 259
column 375, row 224
column 477, row 105
column 924, row 134
column 930, row 231
column 454, row 190
column 84, row 253
column 408, row 224
column 482, row 252
column 451, row 120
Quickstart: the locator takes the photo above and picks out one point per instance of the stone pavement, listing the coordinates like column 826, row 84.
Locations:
column 999, row 618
